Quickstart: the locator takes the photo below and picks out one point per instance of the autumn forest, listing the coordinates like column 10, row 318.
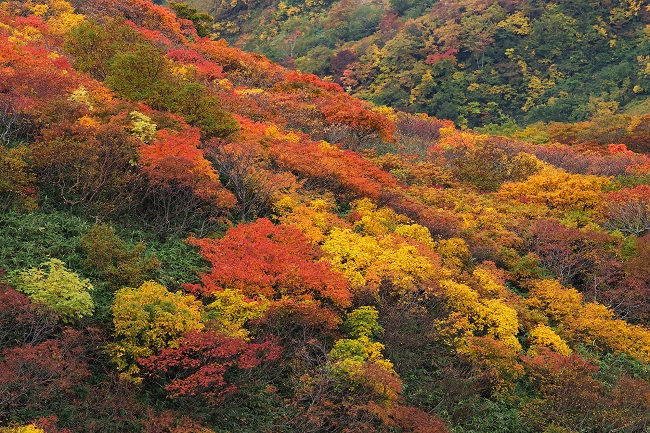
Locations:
column 352, row 216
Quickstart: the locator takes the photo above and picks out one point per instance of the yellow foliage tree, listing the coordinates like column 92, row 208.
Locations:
column 473, row 316
column 543, row 335
column 231, row 310
column 416, row 232
column 31, row 428
column 590, row 324
column 557, row 302
column 142, row 126
column 494, row 359
column 315, row 219
column 368, row 260
column 375, row 221
column 147, row 319
column 54, row 287
column 557, row 189
column 355, row 256
column 59, row 15
column 595, row 325
column 488, row 285
column 454, row 252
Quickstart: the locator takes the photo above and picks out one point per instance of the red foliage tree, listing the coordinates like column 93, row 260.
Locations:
column 171, row 422
column 413, row 420
column 30, row 77
column 638, row 134
column 197, row 367
column 261, row 259
column 340, row 171
column 436, row 57
column 33, row 374
column 580, row 159
column 324, row 404
column 582, row 258
column 348, row 121
column 246, row 69
column 417, row 132
column 628, row 210
column 176, row 158
column 309, row 81
column 210, row 71
column 21, row 322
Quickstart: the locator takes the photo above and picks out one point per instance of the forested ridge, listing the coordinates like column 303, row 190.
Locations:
column 476, row 62
column 194, row 238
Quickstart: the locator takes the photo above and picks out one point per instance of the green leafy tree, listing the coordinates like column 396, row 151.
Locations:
column 112, row 260
column 350, row 354
column 93, row 45
column 362, row 322
column 54, row 287
column 142, row 73
column 202, row 21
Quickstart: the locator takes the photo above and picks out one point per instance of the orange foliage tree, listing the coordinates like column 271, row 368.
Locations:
column 339, row 171
column 263, row 260
column 31, row 76
column 183, row 188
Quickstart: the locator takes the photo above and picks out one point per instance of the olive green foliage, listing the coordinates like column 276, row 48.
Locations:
column 477, row 63
column 202, row 21
column 362, row 322
column 113, row 261
column 17, row 188
column 139, row 71
column 144, row 74
column 93, row 45
column 141, row 74
column 28, row 239
column 54, row 287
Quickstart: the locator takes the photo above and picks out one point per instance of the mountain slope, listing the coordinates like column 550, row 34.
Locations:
column 196, row 239
column 475, row 62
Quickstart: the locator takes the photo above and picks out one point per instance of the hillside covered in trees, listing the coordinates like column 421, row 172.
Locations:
column 476, row 62
column 196, row 239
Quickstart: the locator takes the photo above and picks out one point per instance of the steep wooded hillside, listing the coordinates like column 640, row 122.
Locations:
column 196, row 239
column 476, row 62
